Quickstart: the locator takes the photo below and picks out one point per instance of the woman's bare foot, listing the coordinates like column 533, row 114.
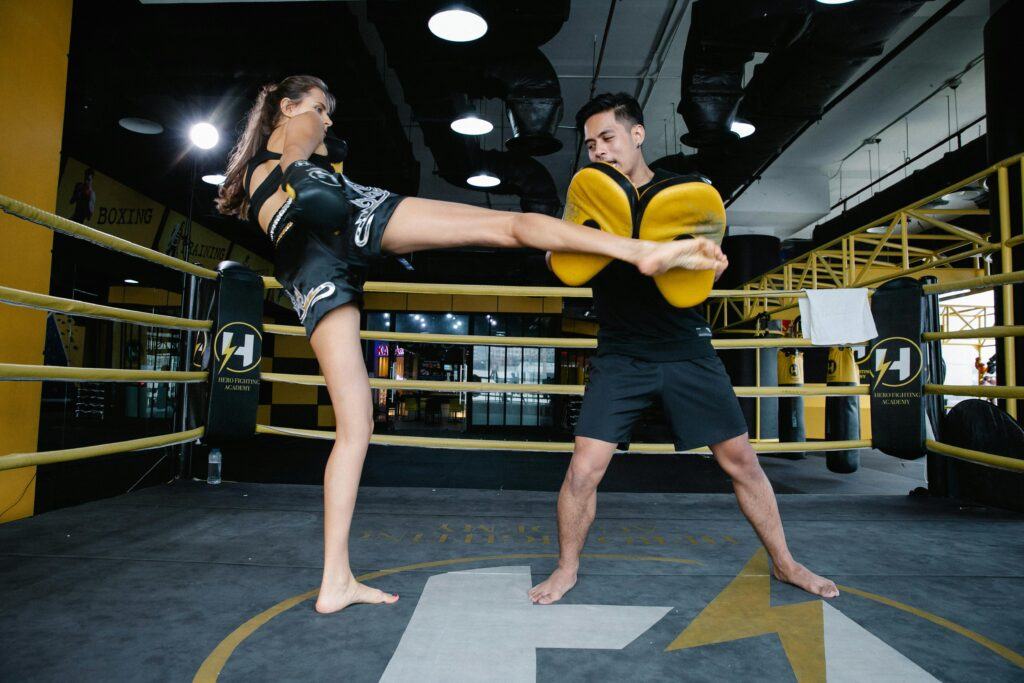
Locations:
column 698, row 253
column 802, row 577
column 336, row 597
column 558, row 584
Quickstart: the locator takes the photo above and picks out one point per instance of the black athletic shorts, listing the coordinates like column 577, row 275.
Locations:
column 324, row 268
column 697, row 397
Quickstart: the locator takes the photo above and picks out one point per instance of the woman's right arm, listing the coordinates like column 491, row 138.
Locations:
column 302, row 135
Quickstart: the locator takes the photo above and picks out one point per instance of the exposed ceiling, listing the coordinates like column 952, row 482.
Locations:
column 175, row 62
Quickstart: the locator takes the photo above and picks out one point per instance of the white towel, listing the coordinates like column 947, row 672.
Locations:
column 837, row 317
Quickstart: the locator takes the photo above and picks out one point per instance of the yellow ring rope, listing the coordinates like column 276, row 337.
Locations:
column 994, row 332
column 562, row 389
column 978, row 392
column 19, row 297
column 527, row 290
column 553, row 342
column 14, row 371
column 551, row 446
column 70, row 227
column 16, row 460
column 1000, row 462
column 984, row 282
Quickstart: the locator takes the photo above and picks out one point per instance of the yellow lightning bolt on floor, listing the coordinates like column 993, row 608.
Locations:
column 743, row 610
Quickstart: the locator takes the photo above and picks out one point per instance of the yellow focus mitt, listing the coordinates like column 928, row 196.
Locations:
column 601, row 197
column 680, row 208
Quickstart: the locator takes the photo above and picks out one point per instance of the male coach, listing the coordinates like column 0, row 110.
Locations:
column 648, row 349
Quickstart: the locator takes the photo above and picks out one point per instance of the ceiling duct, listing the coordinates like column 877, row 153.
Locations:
column 437, row 76
column 525, row 176
column 529, row 85
column 813, row 51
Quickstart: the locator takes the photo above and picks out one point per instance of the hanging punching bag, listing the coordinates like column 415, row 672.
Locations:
column 842, row 413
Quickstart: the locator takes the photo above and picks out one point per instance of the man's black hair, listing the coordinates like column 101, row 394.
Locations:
column 627, row 109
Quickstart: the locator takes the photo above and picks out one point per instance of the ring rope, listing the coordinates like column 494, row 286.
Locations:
column 84, row 232
column 977, row 392
column 984, row 282
column 544, row 342
column 56, row 373
column 383, row 287
column 68, row 227
column 20, row 297
column 994, row 332
column 16, row 460
column 561, row 389
column 552, row 446
column 1000, row 462
column 463, row 290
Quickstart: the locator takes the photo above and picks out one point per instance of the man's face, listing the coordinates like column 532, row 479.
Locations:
column 609, row 140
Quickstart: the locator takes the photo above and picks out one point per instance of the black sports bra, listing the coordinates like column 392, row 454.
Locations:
column 273, row 180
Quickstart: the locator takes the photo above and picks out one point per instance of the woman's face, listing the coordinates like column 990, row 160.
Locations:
column 314, row 101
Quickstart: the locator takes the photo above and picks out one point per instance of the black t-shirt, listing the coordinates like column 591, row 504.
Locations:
column 635, row 320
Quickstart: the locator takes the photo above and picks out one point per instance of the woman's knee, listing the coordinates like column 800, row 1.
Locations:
column 353, row 432
column 518, row 229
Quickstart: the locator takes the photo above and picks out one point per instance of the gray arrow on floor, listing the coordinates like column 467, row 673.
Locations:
column 480, row 625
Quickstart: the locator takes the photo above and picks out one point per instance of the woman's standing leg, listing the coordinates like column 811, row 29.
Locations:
column 339, row 352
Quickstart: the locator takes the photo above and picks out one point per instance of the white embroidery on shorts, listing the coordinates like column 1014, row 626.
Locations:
column 370, row 198
column 302, row 303
column 272, row 230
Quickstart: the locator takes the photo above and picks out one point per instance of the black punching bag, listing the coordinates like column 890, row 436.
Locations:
column 791, row 408
column 842, row 413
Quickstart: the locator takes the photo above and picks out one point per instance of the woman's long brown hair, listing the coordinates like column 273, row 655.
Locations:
column 232, row 198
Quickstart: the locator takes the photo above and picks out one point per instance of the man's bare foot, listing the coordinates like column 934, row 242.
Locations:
column 802, row 577
column 336, row 597
column 558, row 584
column 698, row 253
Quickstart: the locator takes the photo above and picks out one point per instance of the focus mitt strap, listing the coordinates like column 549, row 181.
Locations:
column 681, row 208
column 600, row 197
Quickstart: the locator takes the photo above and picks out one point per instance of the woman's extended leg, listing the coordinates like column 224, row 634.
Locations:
column 419, row 224
column 336, row 344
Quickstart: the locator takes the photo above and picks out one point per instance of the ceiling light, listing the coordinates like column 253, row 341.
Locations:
column 483, row 179
column 204, row 135
column 458, row 25
column 141, row 126
column 834, row 2
column 129, row 281
column 742, row 128
column 471, row 124
column 214, row 178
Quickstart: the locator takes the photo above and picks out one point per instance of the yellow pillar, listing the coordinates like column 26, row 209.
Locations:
column 34, row 40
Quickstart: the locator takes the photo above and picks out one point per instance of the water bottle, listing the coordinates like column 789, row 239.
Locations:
column 213, row 467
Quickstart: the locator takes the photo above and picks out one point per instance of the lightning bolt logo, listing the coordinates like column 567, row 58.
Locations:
column 883, row 367
column 229, row 352
column 744, row 610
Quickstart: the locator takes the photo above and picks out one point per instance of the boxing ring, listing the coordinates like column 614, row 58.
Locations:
column 704, row 602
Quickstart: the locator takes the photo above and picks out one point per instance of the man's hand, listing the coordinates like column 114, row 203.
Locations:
column 720, row 266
